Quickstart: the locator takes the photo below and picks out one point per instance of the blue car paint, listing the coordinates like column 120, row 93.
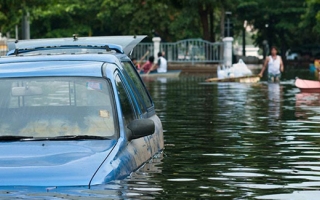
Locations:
column 129, row 155
column 92, row 166
column 51, row 163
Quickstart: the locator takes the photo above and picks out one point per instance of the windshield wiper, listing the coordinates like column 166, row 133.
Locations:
column 77, row 137
column 14, row 138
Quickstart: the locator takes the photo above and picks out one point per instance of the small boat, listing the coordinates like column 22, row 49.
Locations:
column 307, row 85
column 168, row 74
column 242, row 79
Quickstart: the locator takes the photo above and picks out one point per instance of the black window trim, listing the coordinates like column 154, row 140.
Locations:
column 136, row 108
column 150, row 111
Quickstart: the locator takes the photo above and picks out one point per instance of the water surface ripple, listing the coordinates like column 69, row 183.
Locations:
column 238, row 141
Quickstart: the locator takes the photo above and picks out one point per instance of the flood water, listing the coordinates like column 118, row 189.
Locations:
column 223, row 141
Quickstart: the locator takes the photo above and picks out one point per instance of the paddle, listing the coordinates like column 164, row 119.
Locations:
column 143, row 57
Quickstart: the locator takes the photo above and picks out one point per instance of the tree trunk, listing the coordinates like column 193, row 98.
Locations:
column 203, row 12
column 244, row 41
column 212, row 32
column 284, row 44
column 222, row 22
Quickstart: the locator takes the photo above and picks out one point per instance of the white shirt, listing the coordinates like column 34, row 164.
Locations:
column 162, row 65
column 274, row 65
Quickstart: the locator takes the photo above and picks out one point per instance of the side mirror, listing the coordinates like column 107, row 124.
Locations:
column 140, row 128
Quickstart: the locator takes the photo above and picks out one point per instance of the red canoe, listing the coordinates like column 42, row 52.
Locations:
column 307, row 85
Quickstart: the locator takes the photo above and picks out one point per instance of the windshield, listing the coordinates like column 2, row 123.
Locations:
column 56, row 107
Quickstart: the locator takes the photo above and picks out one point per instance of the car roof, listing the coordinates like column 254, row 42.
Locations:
column 120, row 44
column 57, row 65
column 35, row 58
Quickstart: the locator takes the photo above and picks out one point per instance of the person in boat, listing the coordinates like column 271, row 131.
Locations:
column 146, row 67
column 161, row 65
column 135, row 63
column 274, row 64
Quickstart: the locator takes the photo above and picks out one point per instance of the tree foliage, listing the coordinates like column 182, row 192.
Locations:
column 137, row 17
column 275, row 21
column 279, row 22
column 310, row 22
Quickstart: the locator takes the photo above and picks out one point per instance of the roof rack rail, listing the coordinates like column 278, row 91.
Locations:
column 120, row 44
column 106, row 48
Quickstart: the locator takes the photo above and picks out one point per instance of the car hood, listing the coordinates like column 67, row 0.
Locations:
column 51, row 163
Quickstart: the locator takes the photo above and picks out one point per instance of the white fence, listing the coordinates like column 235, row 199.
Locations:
column 184, row 51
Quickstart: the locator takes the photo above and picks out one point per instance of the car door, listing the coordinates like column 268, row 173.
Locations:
column 145, row 105
column 137, row 151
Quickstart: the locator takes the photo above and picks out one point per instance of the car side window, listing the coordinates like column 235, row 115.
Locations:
column 126, row 103
column 139, row 89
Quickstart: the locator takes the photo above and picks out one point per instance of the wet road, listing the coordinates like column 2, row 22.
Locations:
column 224, row 141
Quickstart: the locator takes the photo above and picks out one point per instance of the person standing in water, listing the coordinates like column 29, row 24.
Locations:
column 274, row 64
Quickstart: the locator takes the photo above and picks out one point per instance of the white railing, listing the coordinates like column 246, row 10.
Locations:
column 184, row 51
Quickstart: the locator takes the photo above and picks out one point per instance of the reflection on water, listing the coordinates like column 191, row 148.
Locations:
column 274, row 97
column 307, row 105
column 231, row 140
column 224, row 141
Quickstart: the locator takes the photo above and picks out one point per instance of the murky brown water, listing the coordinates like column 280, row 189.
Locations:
column 223, row 141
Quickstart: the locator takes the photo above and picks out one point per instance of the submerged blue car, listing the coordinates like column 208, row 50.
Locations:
column 73, row 119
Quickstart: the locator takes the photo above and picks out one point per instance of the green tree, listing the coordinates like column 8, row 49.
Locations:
column 11, row 12
column 203, row 18
column 310, row 22
column 10, row 15
column 282, row 23
column 64, row 18
column 275, row 21
column 172, row 20
column 138, row 17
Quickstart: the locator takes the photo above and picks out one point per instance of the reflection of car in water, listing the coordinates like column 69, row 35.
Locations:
column 73, row 120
